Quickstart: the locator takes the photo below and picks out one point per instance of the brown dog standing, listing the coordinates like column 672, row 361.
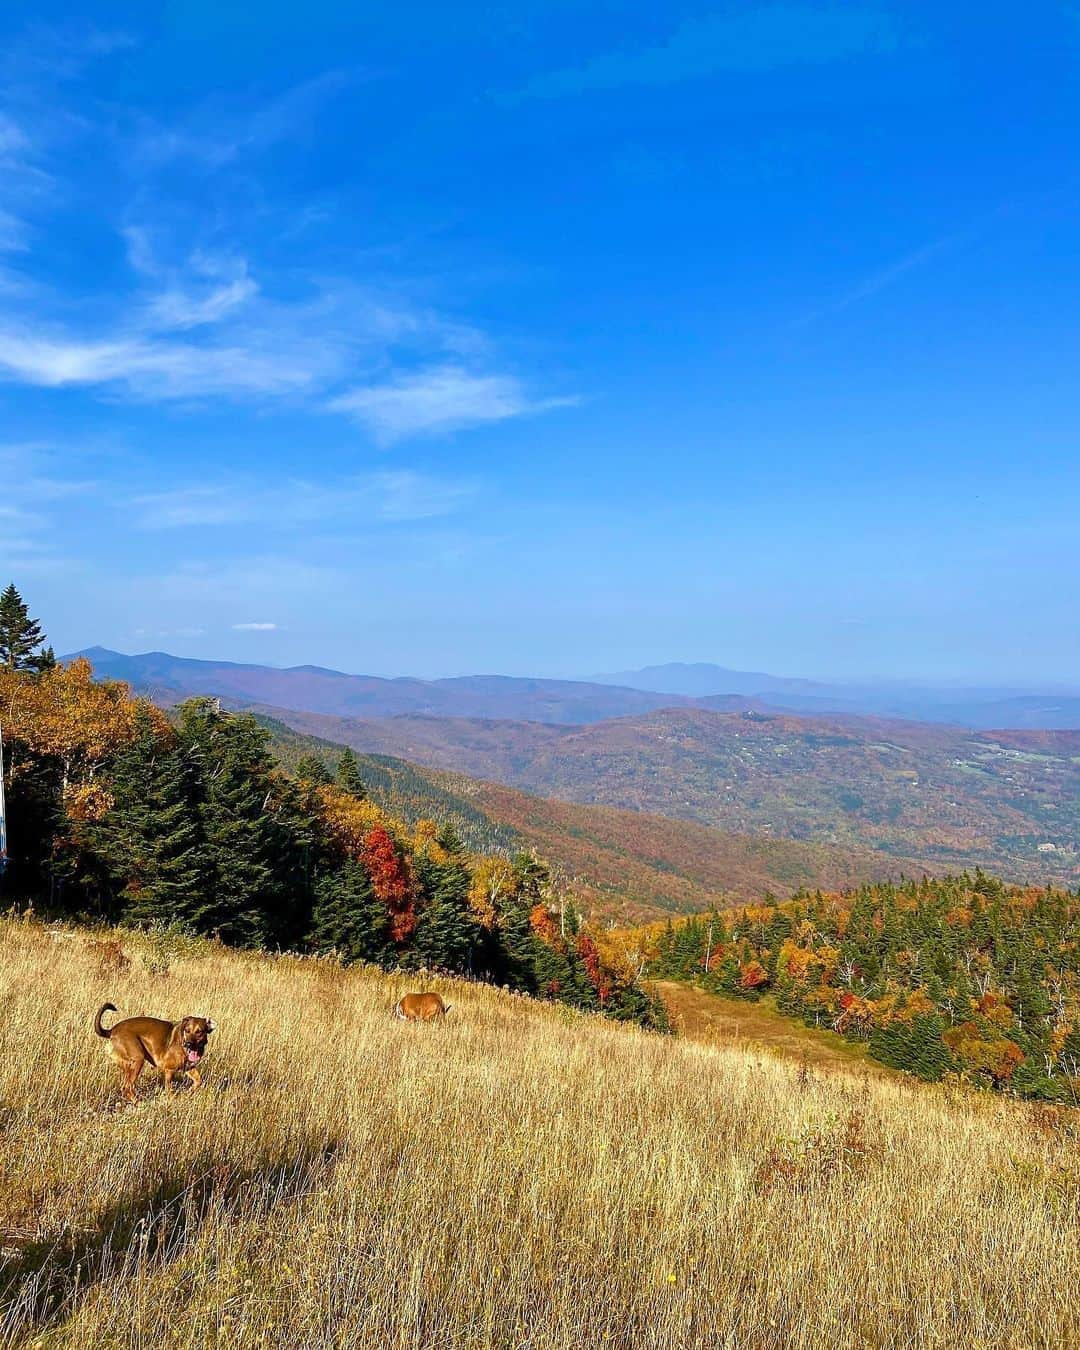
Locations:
column 172, row 1047
column 421, row 1008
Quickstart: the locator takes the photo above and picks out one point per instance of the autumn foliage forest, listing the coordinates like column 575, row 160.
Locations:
column 961, row 975
column 120, row 814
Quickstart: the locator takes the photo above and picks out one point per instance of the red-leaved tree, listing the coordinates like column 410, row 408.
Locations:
column 389, row 873
column 590, row 959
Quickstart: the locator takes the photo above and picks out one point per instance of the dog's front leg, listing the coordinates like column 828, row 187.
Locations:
column 196, row 1079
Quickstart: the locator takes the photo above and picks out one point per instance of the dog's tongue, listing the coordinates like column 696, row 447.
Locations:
column 193, row 1056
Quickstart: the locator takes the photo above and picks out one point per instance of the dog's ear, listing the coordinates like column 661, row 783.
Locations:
column 209, row 1025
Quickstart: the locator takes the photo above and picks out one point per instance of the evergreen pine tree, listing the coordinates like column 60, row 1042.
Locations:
column 347, row 917
column 297, row 847
column 150, row 840
column 915, row 1046
column 578, row 990
column 311, row 769
column 1030, row 999
column 519, row 945
column 551, row 970
column 449, row 839
column 663, row 965
column 446, row 933
column 20, row 635
column 233, row 765
column 348, row 775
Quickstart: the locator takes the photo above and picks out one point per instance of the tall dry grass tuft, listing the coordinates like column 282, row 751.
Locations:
column 514, row 1176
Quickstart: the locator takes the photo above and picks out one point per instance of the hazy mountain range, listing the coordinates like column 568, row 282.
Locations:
column 315, row 689
column 170, row 679
column 985, row 707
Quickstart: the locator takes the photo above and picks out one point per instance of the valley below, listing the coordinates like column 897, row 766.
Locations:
column 939, row 797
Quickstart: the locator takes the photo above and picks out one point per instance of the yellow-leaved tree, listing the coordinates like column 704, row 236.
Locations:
column 65, row 715
column 494, row 881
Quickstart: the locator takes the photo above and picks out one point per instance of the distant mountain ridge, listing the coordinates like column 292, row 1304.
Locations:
column 981, row 708
column 170, row 679
column 312, row 688
column 701, row 679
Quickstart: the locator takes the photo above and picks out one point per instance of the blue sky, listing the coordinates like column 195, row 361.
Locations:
column 545, row 337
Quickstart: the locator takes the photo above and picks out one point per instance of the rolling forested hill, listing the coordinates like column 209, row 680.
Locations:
column 627, row 866
column 1008, row 801
column 842, row 798
column 405, row 790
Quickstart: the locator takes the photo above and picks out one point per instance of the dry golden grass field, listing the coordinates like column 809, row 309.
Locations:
column 716, row 1019
column 515, row 1176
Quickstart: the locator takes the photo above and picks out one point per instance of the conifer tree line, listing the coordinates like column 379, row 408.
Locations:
column 959, row 975
column 118, row 813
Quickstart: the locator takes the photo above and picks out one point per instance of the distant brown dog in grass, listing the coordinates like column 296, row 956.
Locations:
column 172, row 1047
column 421, row 1008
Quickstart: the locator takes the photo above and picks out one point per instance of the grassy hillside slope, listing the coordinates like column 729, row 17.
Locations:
column 517, row 1175
column 757, row 1028
column 1009, row 801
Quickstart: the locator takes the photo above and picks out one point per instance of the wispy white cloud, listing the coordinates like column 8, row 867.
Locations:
column 440, row 399
column 214, row 591
column 254, row 627
column 31, row 486
column 391, row 496
column 13, row 233
column 405, row 495
column 49, row 54
column 187, row 507
column 153, row 346
column 152, row 369
column 216, row 134
column 35, row 490
column 205, row 290
column 180, row 309
column 13, row 140
column 24, row 185
column 884, row 277
column 204, row 328
column 201, row 316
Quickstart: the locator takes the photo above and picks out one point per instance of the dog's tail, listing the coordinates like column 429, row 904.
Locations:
column 105, row 1007
column 397, row 1009
column 446, row 1009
